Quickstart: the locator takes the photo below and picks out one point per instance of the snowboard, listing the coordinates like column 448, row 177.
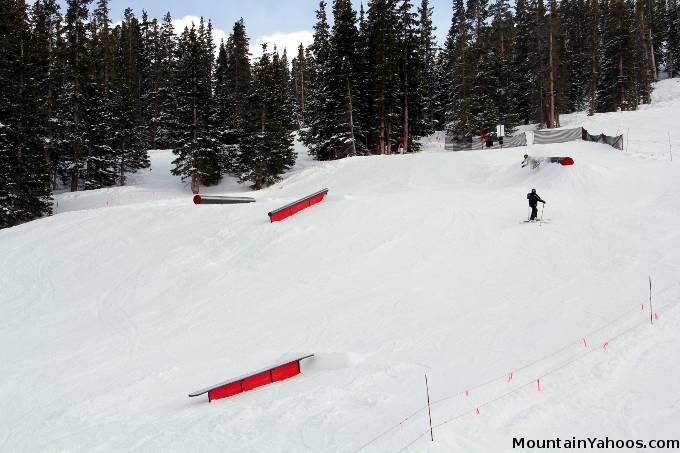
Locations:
column 536, row 221
column 538, row 162
column 561, row 160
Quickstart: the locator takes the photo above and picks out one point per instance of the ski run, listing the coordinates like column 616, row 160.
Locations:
column 128, row 298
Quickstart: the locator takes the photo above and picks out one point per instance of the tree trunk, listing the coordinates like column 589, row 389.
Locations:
column 76, row 125
column 106, row 79
column 406, row 131
column 302, row 95
column 651, row 49
column 351, row 118
column 551, row 85
column 122, row 163
column 195, row 178
column 153, row 125
column 388, row 139
column 263, row 119
column 76, row 153
column 646, row 64
column 381, row 133
column 49, row 131
column 593, row 61
column 622, row 91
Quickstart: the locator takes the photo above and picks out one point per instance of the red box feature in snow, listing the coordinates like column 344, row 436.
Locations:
column 568, row 161
column 276, row 372
column 197, row 199
column 316, row 199
column 257, row 380
column 285, row 371
column 297, row 206
column 225, row 392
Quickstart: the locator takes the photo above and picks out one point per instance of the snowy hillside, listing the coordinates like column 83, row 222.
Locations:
column 647, row 132
column 116, row 308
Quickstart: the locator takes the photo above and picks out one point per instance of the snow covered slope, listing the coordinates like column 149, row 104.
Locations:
column 647, row 131
column 110, row 316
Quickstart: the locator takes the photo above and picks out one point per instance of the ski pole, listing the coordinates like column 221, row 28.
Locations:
column 542, row 208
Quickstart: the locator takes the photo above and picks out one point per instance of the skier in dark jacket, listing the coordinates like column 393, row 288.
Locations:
column 534, row 199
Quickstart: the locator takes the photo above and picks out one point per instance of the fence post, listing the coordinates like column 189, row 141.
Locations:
column 651, row 309
column 429, row 412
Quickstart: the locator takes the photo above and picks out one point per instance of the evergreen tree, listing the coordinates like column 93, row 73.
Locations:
column 576, row 21
column 47, row 77
column 146, row 55
column 131, row 137
column 538, row 55
column 441, row 91
column 595, row 52
column 522, row 76
column 8, row 183
column 657, row 26
column 673, row 33
column 427, row 55
column 33, row 166
column 554, row 84
column 222, row 102
column 502, row 39
column 286, row 70
column 300, row 81
column 340, row 137
column 165, row 96
column 72, row 100
column 334, row 128
column 412, row 79
column 199, row 154
column 616, row 86
column 461, row 66
column 101, row 160
column 364, row 106
column 237, row 79
column 547, row 71
column 384, row 95
column 485, row 83
column 214, row 157
column 446, row 62
column 642, row 54
column 318, row 120
column 24, row 170
column 267, row 147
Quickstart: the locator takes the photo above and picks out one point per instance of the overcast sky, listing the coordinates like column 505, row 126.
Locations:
column 284, row 22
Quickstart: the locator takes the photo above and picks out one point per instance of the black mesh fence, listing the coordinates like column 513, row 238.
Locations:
column 615, row 142
column 458, row 143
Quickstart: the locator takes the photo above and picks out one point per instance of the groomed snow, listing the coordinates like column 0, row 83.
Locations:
column 116, row 308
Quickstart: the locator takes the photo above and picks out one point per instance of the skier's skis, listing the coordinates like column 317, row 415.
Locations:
column 536, row 221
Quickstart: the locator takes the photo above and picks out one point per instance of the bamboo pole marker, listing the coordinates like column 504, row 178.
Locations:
column 651, row 309
column 429, row 411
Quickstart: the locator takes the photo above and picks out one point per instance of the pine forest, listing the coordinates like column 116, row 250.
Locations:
column 82, row 100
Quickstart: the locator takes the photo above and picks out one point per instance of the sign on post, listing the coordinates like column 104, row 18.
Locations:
column 500, row 133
